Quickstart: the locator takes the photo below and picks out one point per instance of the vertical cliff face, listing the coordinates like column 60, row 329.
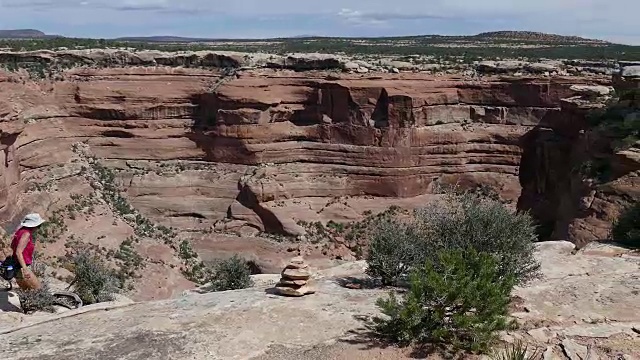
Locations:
column 576, row 177
column 191, row 145
column 549, row 174
column 9, row 170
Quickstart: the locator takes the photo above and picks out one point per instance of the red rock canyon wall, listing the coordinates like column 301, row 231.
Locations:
column 261, row 136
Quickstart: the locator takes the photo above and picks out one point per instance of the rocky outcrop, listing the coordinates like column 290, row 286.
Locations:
column 548, row 67
column 47, row 62
column 632, row 71
column 50, row 64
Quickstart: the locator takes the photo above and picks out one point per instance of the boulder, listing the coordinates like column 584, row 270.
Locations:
column 351, row 66
column 573, row 350
column 541, row 67
column 592, row 90
column 630, row 71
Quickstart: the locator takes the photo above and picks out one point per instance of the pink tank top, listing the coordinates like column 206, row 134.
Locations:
column 27, row 254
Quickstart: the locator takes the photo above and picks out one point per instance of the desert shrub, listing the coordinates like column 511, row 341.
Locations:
column 516, row 351
column 460, row 221
column 626, row 230
column 471, row 221
column 36, row 300
column 194, row 269
column 230, row 274
column 459, row 302
column 39, row 269
column 393, row 251
column 93, row 281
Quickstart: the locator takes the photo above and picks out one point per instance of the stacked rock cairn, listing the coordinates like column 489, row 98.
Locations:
column 294, row 280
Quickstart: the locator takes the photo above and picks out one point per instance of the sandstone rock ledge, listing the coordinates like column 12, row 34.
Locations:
column 590, row 298
column 230, row 325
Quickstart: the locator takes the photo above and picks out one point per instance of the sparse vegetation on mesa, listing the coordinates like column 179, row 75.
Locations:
column 355, row 233
column 106, row 182
column 55, row 226
column 129, row 261
column 484, row 46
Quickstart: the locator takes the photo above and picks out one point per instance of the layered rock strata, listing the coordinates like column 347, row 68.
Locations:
column 195, row 146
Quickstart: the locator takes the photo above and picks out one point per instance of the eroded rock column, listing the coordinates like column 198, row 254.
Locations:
column 9, row 172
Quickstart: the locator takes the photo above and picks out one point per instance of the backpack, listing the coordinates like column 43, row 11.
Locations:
column 9, row 268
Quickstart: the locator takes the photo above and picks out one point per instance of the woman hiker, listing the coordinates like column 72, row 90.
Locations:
column 23, row 246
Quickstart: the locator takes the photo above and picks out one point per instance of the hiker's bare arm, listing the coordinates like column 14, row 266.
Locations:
column 22, row 244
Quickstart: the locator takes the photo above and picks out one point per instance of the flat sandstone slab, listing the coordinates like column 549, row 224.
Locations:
column 230, row 325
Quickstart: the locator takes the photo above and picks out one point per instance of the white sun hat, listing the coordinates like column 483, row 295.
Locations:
column 32, row 220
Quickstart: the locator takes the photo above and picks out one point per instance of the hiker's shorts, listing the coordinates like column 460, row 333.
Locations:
column 19, row 273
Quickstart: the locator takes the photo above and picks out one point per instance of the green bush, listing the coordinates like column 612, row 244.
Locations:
column 194, row 269
column 517, row 351
column 467, row 220
column 38, row 267
column 393, row 251
column 460, row 221
column 93, row 281
column 230, row 274
column 36, row 300
column 626, row 230
column 459, row 304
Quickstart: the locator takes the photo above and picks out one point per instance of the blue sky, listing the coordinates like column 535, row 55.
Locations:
column 614, row 20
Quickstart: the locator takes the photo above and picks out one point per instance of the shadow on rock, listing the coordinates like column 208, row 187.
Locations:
column 351, row 282
column 369, row 337
column 7, row 300
column 272, row 291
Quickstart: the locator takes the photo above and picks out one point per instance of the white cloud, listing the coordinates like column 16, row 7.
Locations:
column 379, row 18
column 358, row 18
